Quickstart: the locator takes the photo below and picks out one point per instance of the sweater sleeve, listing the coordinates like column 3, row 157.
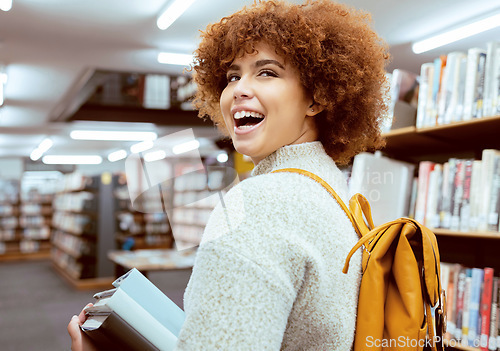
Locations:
column 246, row 274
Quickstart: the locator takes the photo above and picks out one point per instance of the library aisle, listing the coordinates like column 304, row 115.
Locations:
column 36, row 304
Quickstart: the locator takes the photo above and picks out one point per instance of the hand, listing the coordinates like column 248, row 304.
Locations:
column 79, row 341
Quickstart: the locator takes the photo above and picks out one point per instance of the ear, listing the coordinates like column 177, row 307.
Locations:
column 314, row 109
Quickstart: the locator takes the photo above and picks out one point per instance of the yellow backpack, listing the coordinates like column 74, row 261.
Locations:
column 400, row 283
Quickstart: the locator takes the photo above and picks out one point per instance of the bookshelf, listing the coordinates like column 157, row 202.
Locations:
column 24, row 223
column 465, row 139
column 83, row 207
column 138, row 230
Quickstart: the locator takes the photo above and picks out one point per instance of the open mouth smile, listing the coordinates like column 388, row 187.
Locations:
column 246, row 121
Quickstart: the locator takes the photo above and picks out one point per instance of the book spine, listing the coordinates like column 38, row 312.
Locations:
column 485, row 310
column 426, row 71
column 425, row 168
column 477, row 104
column 460, row 303
column 496, row 84
column 451, row 301
column 466, row 307
column 432, row 214
column 470, row 80
column 494, row 198
column 474, row 306
column 475, row 195
column 458, row 114
column 489, row 77
column 465, row 206
column 498, row 316
column 448, row 194
column 487, row 169
column 492, row 340
column 457, row 195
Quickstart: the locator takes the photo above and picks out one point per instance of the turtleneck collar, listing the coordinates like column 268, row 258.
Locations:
column 292, row 156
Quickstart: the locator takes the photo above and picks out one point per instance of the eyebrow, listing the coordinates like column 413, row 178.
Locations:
column 257, row 64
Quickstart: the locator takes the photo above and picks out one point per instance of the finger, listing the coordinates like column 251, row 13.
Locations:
column 82, row 317
column 75, row 333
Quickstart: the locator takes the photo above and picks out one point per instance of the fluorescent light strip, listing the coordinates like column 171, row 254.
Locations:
column 456, row 34
column 1, row 94
column 117, row 155
column 169, row 58
column 172, row 12
column 45, row 145
column 111, row 135
column 185, row 147
column 72, row 159
column 5, row 5
column 155, row 156
column 140, row 147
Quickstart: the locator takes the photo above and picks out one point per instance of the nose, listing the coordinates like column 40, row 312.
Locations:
column 243, row 89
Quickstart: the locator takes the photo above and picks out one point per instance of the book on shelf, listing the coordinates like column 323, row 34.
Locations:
column 491, row 79
column 425, row 94
column 385, row 182
column 135, row 314
column 477, row 276
column 486, row 307
column 466, row 307
column 472, row 305
column 403, row 101
column 487, row 175
column 461, row 195
column 472, row 80
column 459, row 86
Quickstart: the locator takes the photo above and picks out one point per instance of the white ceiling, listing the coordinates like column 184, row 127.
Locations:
column 49, row 46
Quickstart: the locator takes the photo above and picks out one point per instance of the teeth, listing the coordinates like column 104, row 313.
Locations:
column 243, row 114
column 246, row 127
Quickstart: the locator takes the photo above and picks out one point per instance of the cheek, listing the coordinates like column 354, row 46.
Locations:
column 225, row 105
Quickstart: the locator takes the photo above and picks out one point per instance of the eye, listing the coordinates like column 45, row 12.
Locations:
column 268, row 73
column 232, row 77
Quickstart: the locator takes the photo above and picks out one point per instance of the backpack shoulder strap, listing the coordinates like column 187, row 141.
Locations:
column 327, row 187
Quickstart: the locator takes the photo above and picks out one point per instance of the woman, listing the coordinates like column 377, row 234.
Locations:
column 296, row 86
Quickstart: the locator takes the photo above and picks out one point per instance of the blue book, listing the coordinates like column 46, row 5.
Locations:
column 135, row 314
column 475, row 300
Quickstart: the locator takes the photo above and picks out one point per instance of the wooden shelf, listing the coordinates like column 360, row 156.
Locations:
column 84, row 284
column 483, row 235
column 19, row 256
column 470, row 137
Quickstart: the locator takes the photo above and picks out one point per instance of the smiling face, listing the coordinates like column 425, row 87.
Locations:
column 265, row 106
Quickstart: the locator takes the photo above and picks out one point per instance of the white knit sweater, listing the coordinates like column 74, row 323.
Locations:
column 268, row 273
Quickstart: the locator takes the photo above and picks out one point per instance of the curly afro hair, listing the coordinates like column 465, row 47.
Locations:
column 341, row 61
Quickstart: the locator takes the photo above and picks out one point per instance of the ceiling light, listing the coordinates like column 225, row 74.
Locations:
column 5, row 5
column 1, row 95
column 72, row 159
column 185, row 147
column 222, row 157
column 169, row 58
column 456, row 34
column 140, row 147
column 41, row 149
column 155, row 156
column 111, row 135
column 173, row 11
column 117, row 155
